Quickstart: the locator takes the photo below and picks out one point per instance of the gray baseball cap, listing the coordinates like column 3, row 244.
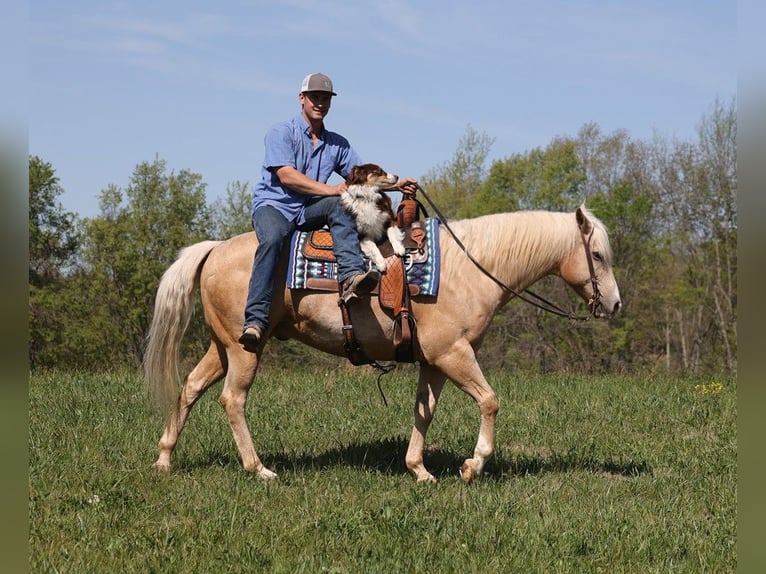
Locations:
column 317, row 83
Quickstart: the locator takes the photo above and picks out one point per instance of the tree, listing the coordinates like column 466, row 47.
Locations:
column 137, row 236
column 700, row 187
column 453, row 185
column 233, row 215
column 54, row 240
column 53, row 234
column 550, row 178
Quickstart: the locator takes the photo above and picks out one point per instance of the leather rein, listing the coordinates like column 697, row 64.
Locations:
column 528, row 296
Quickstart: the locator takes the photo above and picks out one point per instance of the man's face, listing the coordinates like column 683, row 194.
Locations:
column 315, row 104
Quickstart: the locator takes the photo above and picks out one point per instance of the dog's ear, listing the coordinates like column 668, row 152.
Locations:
column 354, row 175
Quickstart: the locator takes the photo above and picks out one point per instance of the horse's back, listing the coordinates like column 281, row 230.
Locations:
column 224, row 279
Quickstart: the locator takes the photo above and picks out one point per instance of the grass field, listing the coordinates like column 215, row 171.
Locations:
column 607, row 474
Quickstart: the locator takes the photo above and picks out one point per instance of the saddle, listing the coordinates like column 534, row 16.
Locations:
column 393, row 291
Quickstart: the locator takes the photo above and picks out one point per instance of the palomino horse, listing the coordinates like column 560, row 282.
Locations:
column 516, row 248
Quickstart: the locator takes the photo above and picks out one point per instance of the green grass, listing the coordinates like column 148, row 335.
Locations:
column 609, row 474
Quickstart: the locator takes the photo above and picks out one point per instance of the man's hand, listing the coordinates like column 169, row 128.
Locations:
column 340, row 188
column 407, row 185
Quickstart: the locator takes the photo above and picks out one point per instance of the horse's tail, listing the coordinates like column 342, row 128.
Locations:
column 173, row 307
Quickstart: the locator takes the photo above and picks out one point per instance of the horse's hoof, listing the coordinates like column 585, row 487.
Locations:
column 467, row 473
column 266, row 474
column 161, row 468
column 427, row 479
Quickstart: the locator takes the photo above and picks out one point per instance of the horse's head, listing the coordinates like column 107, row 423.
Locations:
column 588, row 268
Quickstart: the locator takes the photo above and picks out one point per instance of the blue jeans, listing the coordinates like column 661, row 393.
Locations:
column 273, row 231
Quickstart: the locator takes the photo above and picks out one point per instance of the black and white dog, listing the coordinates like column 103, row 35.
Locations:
column 371, row 207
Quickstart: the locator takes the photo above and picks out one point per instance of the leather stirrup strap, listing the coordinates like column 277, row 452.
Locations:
column 351, row 345
column 403, row 336
column 403, row 342
column 404, row 331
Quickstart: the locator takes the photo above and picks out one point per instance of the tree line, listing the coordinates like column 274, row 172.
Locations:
column 670, row 207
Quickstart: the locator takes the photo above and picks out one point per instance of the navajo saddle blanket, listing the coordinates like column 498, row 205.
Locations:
column 312, row 264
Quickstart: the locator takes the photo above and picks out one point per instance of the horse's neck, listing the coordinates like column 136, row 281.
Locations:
column 517, row 248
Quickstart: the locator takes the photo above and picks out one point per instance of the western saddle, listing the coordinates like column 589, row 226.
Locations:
column 393, row 291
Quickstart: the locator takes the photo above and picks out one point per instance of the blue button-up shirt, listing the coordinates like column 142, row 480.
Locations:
column 289, row 143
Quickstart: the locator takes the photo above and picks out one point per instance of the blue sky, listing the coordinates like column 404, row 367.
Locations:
column 116, row 83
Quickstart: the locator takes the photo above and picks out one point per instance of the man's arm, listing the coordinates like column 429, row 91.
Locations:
column 292, row 178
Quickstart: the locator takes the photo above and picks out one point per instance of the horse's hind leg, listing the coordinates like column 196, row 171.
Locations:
column 209, row 370
column 430, row 385
column 242, row 366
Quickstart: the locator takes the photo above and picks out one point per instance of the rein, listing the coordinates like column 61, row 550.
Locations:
column 528, row 296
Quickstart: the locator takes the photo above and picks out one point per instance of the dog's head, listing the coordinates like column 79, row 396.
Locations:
column 369, row 174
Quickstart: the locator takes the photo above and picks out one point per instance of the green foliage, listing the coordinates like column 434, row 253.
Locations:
column 53, row 236
column 698, row 186
column 539, row 179
column 138, row 235
column 619, row 474
column 232, row 215
column 630, row 217
column 126, row 250
column 453, row 186
column 69, row 330
column 54, row 241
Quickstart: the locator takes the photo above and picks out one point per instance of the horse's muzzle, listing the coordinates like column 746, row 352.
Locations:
column 604, row 312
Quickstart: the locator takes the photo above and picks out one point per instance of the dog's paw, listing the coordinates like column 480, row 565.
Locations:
column 399, row 250
column 381, row 265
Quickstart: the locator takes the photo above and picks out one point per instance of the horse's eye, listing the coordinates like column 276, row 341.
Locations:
column 597, row 256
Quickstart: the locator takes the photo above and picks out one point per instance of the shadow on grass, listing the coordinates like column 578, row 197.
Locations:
column 386, row 456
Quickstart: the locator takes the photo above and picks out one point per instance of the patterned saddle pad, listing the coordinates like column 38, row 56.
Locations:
column 422, row 268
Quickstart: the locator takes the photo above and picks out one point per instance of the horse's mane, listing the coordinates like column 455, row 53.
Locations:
column 527, row 239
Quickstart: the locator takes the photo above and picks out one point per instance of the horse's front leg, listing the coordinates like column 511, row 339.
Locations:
column 460, row 365
column 430, row 385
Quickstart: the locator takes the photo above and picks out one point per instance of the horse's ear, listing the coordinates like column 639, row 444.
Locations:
column 585, row 224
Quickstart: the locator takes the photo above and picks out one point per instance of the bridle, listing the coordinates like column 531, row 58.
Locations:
column 595, row 298
column 528, row 296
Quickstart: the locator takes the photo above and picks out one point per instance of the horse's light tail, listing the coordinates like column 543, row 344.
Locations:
column 173, row 307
